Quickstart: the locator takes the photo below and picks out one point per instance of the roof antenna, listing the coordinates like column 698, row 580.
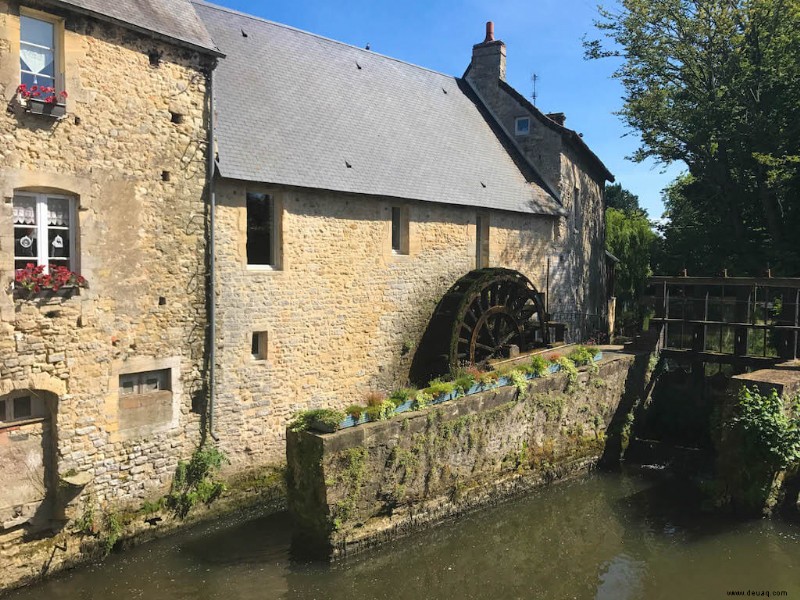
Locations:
column 534, row 79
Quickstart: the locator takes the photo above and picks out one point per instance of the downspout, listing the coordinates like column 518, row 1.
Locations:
column 212, row 309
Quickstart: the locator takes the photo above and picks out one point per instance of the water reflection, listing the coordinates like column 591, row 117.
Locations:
column 608, row 536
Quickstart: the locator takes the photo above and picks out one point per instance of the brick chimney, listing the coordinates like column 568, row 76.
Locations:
column 488, row 59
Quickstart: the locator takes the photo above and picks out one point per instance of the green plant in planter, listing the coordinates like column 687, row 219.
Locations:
column 380, row 412
column 581, row 355
column 328, row 417
column 355, row 411
column 519, row 380
column 402, row 396
column 539, row 366
column 422, row 399
column 464, row 382
column 488, row 377
column 437, row 387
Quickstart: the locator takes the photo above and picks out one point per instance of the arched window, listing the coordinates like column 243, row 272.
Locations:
column 44, row 230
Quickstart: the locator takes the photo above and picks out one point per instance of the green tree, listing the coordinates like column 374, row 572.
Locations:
column 630, row 238
column 716, row 84
column 622, row 199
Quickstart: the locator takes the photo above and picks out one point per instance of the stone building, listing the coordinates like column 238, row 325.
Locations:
column 352, row 191
column 107, row 180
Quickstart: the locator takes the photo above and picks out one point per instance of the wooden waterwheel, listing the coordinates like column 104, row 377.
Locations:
column 479, row 318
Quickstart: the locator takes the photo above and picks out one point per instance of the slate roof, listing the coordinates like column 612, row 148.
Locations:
column 297, row 109
column 174, row 20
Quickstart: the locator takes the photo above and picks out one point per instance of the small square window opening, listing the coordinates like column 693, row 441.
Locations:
column 259, row 345
column 522, row 126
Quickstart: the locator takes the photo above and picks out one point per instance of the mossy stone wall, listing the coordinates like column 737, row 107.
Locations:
column 358, row 487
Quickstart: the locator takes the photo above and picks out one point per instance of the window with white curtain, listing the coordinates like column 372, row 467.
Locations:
column 37, row 52
column 44, row 230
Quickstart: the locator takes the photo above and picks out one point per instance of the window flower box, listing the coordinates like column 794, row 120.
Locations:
column 40, row 100
column 34, row 282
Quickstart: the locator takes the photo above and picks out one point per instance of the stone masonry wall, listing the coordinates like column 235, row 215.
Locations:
column 137, row 178
column 343, row 314
column 372, row 483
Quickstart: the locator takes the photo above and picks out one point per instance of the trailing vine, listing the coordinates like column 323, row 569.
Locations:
column 768, row 432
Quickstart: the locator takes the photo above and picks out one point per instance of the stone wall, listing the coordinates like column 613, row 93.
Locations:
column 131, row 154
column 368, row 484
column 343, row 314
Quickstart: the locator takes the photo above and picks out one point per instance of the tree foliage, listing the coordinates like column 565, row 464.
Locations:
column 621, row 199
column 716, row 84
column 630, row 238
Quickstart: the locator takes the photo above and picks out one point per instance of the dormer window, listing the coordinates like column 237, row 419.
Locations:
column 522, row 126
column 37, row 52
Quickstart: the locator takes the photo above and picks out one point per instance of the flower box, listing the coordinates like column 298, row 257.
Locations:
column 55, row 110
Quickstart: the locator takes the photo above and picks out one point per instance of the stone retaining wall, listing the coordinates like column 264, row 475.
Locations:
column 361, row 486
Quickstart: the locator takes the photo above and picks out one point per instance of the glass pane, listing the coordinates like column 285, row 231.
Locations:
column 32, row 80
column 127, row 384
column 25, row 243
column 39, row 62
column 395, row 228
column 36, row 31
column 259, row 229
column 59, row 244
column 24, row 210
column 22, row 407
column 58, row 211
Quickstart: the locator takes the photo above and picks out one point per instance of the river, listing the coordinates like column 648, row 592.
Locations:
column 616, row 536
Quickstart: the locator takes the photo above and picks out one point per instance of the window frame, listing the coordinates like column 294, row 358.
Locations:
column 260, row 341
column 57, row 48
column 576, row 198
column 276, row 218
column 164, row 377
column 42, row 227
column 517, row 122
column 399, row 219
column 8, row 417
column 482, row 240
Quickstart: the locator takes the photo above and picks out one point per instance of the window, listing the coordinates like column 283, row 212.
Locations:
column 259, row 345
column 399, row 230
column 522, row 126
column 576, row 199
column 21, row 406
column 262, row 230
column 146, row 382
column 37, row 52
column 44, row 230
column 481, row 241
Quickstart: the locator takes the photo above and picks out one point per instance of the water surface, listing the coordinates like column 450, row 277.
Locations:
column 607, row 536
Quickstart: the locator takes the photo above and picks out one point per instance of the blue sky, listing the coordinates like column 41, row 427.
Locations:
column 542, row 37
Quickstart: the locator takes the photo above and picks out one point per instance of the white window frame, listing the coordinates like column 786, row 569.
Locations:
column 276, row 218
column 55, row 22
column 42, row 230
column 517, row 126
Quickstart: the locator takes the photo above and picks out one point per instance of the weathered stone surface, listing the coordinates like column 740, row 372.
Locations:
column 361, row 486
column 138, row 238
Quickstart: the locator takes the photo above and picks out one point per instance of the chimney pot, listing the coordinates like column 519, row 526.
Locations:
column 489, row 32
